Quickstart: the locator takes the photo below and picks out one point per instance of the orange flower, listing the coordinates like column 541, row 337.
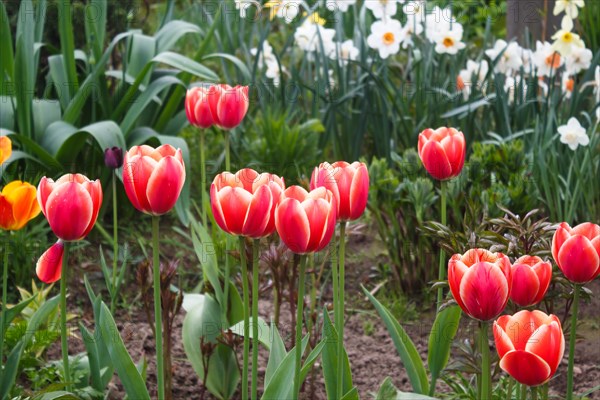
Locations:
column 18, row 205
column 5, row 148
column 530, row 345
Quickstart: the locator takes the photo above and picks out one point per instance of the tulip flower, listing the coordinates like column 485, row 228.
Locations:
column 5, row 148
column 49, row 266
column 244, row 203
column 18, row 205
column 577, row 251
column 220, row 105
column 480, row 282
column 113, row 157
column 530, row 280
column 530, row 345
column 442, row 152
column 305, row 220
column 153, row 178
column 349, row 183
column 201, row 104
column 70, row 204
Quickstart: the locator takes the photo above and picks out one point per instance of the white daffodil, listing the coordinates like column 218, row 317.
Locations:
column 266, row 54
column 515, row 87
column 440, row 21
column 344, row 52
column 474, row 74
column 339, row 5
column 579, row 60
column 288, row 10
column 527, row 59
column 567, row 84
column 573, row 134
column 311, row 34
column 386, row 37
column 244, row 5
column 274, row 72
column 545, row 59
column 565, row 40
column 382, row 9
column 449, row 42
column 509, row 61
column 570, row 7
column 412, row 28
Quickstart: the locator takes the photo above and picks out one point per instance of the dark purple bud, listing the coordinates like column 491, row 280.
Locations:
column 113, row 157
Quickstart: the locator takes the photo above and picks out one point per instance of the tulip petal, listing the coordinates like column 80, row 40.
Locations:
column 501, row 338
column 456, row 271
column 136, row 175
column 525, row 285
column 258, row 213
column 526, row 368
column 578, row 259
column 435, row 160
column 359, row 192
column 49, row 266
column 217, row 210
column 94, row 188
column 586, row 229
column 7, row 220
column 316, row 210
column 454, row 147
column 329, row 227
column 45, row 187
column 69, row 210
column 560, row 236
column 543, row 270
column 484, row 291
column 548, row 342
column 234, row 204
column 165, row 184
column 292, row 225
column 521, row 326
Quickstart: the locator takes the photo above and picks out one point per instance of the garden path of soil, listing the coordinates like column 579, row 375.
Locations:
column 371, row 351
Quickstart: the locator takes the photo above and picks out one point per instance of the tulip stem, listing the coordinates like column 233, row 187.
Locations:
column 523, row 395
column 202, row 177
column 4, row 300
column 442, row 270
column 509, row 389
column 255, row 291
column 299, row 314
column 340, row 312
column 157, row 311
column 486, row 389
column 63, row 317
column 246, row 317
column 227, row 151
column 115, row 244
column 572, row 339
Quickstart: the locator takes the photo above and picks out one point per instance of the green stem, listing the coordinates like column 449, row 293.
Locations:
column 227, row 250
column 486, row 377
column 523, row 395
column 534, row 393
column 442, row 269
column 255, row 287
column 572, row 339
column 227, row 151
column 545, row 391
column 340, row 315
column 202, row 177
column 115, row 244
column 299, row 313
column 63, row 317
column 246, row 317
column 157, row 311
column 509, row 389
column 4, row 300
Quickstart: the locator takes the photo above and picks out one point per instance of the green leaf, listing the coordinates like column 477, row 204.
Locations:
column 206, row 254
column 406, row 348
column 67, row 44
column 276, row 355
column 280, row 385
column 6, row 49
column 264, row 334
column 186, row 64
column 39, row 317
column 34, row 149
column 7, row 379
column 92, row 355
column 60, row 79
column 141, row 49
column 11, row 313
column 7, row 114
column 236, row 61
column 24, row 80
column 45, row 112
column 131, row 379
column 388, row 391
column 440, row 339
column 57, row 395
column 169, row 34
column 331, row 361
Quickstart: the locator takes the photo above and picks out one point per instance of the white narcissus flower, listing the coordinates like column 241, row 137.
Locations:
column 474, row 71
column 515, row 87
column 274, row 72
column 580, row 59
column 439, row 21
column 339, row 5
column 565, row 40
column 311, row 34
column 385, row 37
column 573, row 134
column 382, row 9
column 412, row 28
column 345, row 51
column 510, row 60
column 266, row 55
column 570, row 7
column 567, row 84
column 450, row 41
column 527, row 59
column 285, row 9
column 546, row 59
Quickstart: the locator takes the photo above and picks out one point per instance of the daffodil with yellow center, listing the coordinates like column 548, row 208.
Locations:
column 565, row 40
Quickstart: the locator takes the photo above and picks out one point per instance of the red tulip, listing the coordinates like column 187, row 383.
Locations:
column 220, row 105
column 530, row 280
column 244, row 203
column 480, row 282
column 153, row 178
column 70, row 204
column 305, row 220
column 349, row 183
column 577, row 251
column 442, row 152
column 49, row 266
column 530, row 345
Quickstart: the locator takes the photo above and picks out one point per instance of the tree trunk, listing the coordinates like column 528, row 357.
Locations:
column 531, row 17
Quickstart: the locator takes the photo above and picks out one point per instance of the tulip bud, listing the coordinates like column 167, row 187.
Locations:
column 530, row 280
column 442, row 152
column 577, row 251
column 113, row 157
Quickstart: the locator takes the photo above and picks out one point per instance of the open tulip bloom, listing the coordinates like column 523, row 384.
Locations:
column 577, row 253
column 530, row 345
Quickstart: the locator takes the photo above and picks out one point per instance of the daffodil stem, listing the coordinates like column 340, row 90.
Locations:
column 202, row 177
column 63, row 317
column 4, row 300
column 255, row 290
column 114, row 290
column 572, row 340
column 340, row 311
column 246, row 296
column 299, row 314
column 486, row 389
column 442, row 269
column 160, row 368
